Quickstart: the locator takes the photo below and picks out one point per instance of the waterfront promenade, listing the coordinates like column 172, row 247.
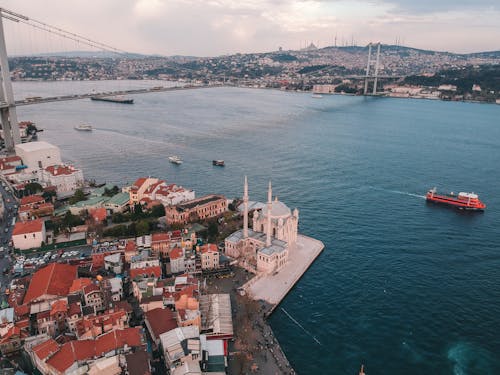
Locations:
column 273, row 288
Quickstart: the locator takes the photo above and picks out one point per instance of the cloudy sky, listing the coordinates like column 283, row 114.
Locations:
column 215, row 27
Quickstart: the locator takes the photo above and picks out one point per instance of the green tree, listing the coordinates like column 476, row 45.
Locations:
column 158, row 210
column 32, row 188
column 78, row 197
column 212, row 230
column 69, row 220
column 110, row 192
column 142, row 228
column 48, row 195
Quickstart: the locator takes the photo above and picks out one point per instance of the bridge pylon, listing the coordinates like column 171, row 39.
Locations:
column 372, row 65
column 8, row 115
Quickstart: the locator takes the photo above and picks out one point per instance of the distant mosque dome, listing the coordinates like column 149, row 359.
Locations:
column 278, row 210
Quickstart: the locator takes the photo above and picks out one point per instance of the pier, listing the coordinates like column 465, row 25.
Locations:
column 274, row 287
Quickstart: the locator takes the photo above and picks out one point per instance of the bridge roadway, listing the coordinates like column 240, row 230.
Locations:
column 40, row 100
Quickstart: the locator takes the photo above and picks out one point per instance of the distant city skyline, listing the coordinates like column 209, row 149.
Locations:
column 218, row 27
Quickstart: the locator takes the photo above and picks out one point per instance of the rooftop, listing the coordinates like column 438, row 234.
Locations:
column 57, row 170
column 45, row 349
column 35, row 146
column 199, row 201
column 216, row 314
column 33, row 226
column 160, row 320
column 138, row 363
column 119, row 199
column 30, row 199
column 54, row 279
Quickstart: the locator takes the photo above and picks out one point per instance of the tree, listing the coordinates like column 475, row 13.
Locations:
column 212, row 230
column 111, row 192
column 33, row 188
column 78, row 197
column 48, row 195
column 158, row 210
column 142, row 228
column 118, row 217
column 69, row 220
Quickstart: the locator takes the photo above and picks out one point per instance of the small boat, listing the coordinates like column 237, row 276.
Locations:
column 112, row 99
column 218, row 163
column 175, row 159
column 462, row 201
column 316, row 96
column 84, row 127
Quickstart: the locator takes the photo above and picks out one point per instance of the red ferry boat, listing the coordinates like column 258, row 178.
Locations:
column 462, row 201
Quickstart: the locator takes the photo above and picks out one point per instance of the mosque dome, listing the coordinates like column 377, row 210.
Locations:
column 278, row 210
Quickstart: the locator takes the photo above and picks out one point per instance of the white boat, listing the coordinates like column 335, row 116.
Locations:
column 84, row 127
column 316, row 96
column 175, row 159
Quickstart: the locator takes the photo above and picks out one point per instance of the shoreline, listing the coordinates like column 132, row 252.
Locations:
column 255, row 348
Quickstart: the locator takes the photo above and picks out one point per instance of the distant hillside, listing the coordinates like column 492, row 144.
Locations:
column 487, row 77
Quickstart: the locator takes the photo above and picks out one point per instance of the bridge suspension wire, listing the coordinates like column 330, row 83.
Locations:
column 19, row 18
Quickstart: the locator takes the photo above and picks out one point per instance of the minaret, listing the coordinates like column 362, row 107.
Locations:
column 269, row 209
column 245, row 205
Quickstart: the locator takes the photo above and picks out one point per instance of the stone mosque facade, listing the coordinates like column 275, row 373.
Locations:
column 264, row 248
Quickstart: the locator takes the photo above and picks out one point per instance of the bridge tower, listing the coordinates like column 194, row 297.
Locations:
column 372, row 62
column 8, row 115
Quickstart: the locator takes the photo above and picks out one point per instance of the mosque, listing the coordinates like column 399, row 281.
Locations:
column 265, row 247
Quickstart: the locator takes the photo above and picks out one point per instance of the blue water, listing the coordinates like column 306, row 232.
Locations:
column 402, row 287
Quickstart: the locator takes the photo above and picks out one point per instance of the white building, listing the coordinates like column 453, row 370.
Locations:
column 181, row 345
column 114, row 263
column 177, row 261
column 65, row 178
column 169, row 195
column 265, row 248
column 29, row 234
column 38, row 155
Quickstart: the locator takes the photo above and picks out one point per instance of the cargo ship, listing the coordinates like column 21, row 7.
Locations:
column 113, row 99
column 462, row 201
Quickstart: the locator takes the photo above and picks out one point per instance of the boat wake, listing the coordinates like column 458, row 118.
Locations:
column 300, row 325
column 399, row 192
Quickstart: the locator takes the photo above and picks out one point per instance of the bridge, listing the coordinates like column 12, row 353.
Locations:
column 51, row 99
column 8, row 105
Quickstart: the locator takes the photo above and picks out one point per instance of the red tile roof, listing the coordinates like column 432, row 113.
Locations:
column 57, row 170
column 158, row 237
column 79, row 284
column 91, row 288
column 160, row 320
column 176, row 253
column 31, row 199
column 33, row 226
column 156, row 270
column 54, row 279
column 98, row 214
column 124, row 305
column 75, row 309
column 209, row 247
column 21, row 310
column 45, row 349
column 59, row 306
column 152, row 187
column 138, row 183
column 130, row 246
column 81, row 350
column 190, row 291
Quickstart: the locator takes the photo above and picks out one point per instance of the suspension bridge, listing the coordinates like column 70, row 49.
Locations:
column 71, row 41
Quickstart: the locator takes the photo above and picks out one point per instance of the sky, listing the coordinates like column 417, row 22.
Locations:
column 218, row 27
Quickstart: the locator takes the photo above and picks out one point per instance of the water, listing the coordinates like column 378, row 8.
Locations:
column 403, row 287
